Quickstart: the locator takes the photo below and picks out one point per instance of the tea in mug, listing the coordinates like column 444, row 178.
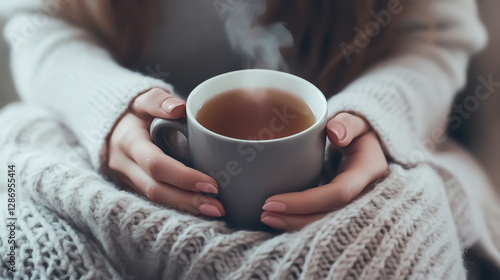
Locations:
column 256, row 114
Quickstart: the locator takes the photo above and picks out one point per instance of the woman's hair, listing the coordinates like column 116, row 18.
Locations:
column 126, row 27
column 323, row 31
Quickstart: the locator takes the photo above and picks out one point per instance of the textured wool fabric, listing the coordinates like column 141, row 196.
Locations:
column 73, row 223
column 65, row 69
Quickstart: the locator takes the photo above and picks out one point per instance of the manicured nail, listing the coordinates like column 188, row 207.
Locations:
column 170, row 104
column 205, row 187
column 274, row 206
column 339, row 130
column 209, row 209
column 274, row 222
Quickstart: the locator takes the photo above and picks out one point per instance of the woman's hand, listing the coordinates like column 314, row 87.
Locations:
column 141, row 165
column 363, row 162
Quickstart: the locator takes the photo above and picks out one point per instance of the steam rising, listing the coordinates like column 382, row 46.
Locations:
column 260, row 45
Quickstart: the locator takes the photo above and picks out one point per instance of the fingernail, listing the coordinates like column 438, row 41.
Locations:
column 170, row 104
column 274, row 206
column 209, row 209
column 274, row 222
column 206, row 187
column 339, row 130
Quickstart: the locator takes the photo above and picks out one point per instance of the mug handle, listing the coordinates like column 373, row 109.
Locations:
column 161, row 132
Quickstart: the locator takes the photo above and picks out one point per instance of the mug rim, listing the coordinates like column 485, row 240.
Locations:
column 319, row 120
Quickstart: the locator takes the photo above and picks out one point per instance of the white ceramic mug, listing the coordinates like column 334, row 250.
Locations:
column 250, row 171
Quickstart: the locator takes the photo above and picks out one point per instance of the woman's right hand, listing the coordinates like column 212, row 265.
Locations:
column 141, row 165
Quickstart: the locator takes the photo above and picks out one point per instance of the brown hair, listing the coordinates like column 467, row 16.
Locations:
column 318, row 28
column 126, row 27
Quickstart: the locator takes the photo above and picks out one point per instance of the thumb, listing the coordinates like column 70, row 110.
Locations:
column 158, row 103
column 344, row 128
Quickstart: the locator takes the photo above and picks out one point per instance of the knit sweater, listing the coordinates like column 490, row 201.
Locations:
column 72, row 224
column 414, row 224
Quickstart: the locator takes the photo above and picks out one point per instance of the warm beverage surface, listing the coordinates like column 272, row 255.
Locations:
column 256, row 114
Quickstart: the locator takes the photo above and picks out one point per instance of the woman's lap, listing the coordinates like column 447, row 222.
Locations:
column 402, row 227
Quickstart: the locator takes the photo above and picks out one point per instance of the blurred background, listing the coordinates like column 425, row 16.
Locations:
column 481, row 131
column 7, row 92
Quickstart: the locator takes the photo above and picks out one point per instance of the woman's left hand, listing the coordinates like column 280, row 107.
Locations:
column 363, row 162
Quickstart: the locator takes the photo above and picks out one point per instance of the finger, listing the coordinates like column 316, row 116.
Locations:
column 127, row 184
column 345, row 187
column 168, row 195
column 363, row 166
column 289, row 222
column 158, row 103
column 345, row 127
column 164, row 168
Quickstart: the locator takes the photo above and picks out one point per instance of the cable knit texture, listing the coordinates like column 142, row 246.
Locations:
column 402, row 228
column 73, row 224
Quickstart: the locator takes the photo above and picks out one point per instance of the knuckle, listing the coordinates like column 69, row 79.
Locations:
column 123, row 140
column 176, row 178
column 157, row 95
column 123, row 136
column 199, row 199
column 128, row 138
column 344, row 118
column 150, row 164
column 140, row 100
column 150, row 189
column 155, row 92
column 192, row 204
column 113, row 163
column 187, row 208
column 379, row 166
column 382, row 171
column 180, row 177
column 346, row 194
column 149, row 97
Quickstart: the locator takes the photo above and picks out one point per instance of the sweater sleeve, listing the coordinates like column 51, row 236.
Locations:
column 65, row 69
column 406, row 97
